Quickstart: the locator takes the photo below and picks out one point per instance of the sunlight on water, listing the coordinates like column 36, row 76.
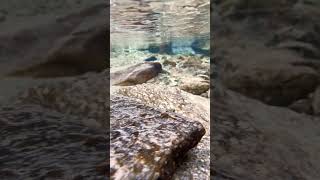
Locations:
column 174, row 26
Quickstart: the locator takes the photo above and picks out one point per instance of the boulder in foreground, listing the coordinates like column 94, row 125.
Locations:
column 145, row 143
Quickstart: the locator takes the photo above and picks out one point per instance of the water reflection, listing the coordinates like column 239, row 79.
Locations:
column 171, row 26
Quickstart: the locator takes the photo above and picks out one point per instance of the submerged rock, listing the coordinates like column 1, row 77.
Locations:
column 147, row 143
column 302, row 106
column 253, row 140
column 137, row 74
column 195, row 86
column 170, row 99
column 306, row 49
column 316, row 102
column 68, row 45
column 152, row 58
column 272, row 76
column 197, row 162
column 194, row 63
column 2, row 17
column 77, row 54
column 84, row 96
column 169, row 62
column 38, row 143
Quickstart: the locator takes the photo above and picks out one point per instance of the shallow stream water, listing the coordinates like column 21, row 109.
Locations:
column 160, row 26
column 175, row 33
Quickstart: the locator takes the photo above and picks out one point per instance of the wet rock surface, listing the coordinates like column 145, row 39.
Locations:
column 195, row 86
column 302, row 106
column 195, row 165
column 57, row 130
column 170, row 99
column 80, row 52
column 147, row 143
column 48, row 44
column 264, row 116
column 316, row 102
column 277, row 62
column 272, row 76
column 137, row 74
column 163, row 93
column 253, row 140
column 39, row 143
column 81, row 96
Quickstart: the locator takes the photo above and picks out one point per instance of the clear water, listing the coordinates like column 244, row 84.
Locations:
column 161, row 26
column 176, row 31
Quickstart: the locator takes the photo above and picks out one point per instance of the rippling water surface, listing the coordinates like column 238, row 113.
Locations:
column 174, row 26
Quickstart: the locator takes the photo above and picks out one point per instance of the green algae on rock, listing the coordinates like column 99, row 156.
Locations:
column 147, row 143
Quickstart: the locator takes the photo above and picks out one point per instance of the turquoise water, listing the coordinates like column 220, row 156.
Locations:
column 161, row 26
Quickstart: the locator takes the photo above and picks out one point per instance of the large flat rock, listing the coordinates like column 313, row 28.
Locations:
column 170, row 99
column 197, row 162
column 147, row 143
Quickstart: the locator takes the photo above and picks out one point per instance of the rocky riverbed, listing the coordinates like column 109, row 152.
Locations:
column 39, row 142
column 174, row 89
column 80, row 103
column 264, row 112
column 55, row 108
column 45, row 133
column 265, row 117
column 147, row 143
